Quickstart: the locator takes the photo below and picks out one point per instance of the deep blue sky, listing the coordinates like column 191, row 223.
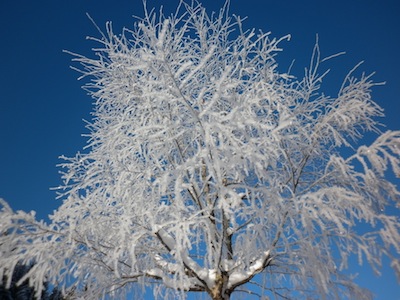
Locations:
column 42, row 105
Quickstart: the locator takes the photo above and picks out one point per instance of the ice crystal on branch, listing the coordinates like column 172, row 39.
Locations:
column 207, row 169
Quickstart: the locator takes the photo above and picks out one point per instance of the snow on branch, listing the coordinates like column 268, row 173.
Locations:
column 238, row 278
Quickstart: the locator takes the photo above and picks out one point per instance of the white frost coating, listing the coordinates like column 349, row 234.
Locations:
column 259, row 263
column 189, row 263
column 243, row 275
column 201, row 156
column 166, row 238
column 208, row 276
column 198, row 67
column 161, row 36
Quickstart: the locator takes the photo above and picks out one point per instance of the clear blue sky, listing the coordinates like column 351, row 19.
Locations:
column 42, row 105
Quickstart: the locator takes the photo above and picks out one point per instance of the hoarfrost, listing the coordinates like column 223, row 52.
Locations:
column 206, row 169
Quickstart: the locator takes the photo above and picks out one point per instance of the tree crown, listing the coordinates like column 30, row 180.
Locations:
column 207, row 168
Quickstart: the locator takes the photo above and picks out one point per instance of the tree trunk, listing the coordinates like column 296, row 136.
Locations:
column 220, row 291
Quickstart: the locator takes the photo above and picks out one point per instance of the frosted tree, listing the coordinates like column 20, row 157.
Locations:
column 209, row 171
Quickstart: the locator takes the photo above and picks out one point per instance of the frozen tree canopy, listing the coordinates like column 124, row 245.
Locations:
column 209, row 171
